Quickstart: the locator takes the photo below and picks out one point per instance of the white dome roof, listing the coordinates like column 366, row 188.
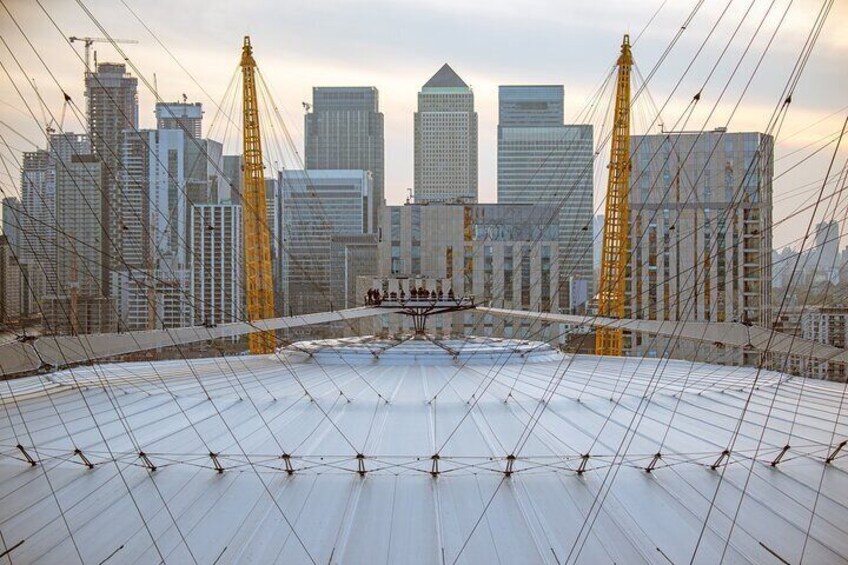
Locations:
column 360, row 422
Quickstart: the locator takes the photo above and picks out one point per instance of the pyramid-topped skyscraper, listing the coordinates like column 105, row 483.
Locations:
column 445, row 140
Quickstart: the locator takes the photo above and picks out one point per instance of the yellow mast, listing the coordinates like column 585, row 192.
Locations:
column 611, row 292
column 257, row 244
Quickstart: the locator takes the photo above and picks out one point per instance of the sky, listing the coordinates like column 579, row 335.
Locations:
column 396, row 45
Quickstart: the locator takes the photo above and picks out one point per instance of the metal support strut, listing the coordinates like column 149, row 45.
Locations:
column 780, row 455
column 360, row 464
column 434, row 469
column 29, row 459
column 214, row 457
column 653, row 464
column 835, row 452
column 147, row 462
column 510, row 461
column 84, row 459
column 724, row 455
column 287, row 460
column 582, row 468
column 614, row 254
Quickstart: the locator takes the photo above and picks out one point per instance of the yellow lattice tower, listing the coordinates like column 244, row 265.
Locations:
column 611, row 292
column 257, row 243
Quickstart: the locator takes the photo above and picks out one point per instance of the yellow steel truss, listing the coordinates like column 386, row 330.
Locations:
column 257, row 243
column 611, row 293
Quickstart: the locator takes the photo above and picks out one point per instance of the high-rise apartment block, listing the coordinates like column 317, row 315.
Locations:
column 186, row 116
column 445, row 140
column 15, row 302
column 701, row 234
column 824, row 261
column 217, row 269
column 344, row 130
column 318, row 205
column 82, row 303
column 542, row 161
column 12, row 219
column 164, row 173
column 828, row 325
column 112, row 107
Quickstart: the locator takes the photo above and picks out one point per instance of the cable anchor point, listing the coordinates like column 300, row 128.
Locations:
column 147, row 462
column 510, row 461
column 29, row 459
column 653, row 464
column 214, row 457
column 584, row 460
column 287, row 460
column 720, row 461
column 83, row 458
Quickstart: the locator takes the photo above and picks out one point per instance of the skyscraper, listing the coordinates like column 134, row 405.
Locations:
column 345, row 131
column 445, row 140
column 112, row 105
column 12, row 223
column 216, row 270
column 701, row 234
column 82, row 303
column 164, row 173
column 540, row 160
column 531, row 105
column 823, row 261
column 316, row 206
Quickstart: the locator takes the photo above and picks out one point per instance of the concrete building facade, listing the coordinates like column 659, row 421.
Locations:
column 828, row 325
column 701, row 234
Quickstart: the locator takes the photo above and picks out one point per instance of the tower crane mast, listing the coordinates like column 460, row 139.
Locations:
column 257, row 241
column 89, row 41
column 614, row 256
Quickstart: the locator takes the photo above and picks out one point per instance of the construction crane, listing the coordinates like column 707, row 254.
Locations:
column 611, row 294
column 89, row 41
column 257, row 242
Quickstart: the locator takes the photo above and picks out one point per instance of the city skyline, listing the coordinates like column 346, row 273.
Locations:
column 300, row 62
column 319, row 285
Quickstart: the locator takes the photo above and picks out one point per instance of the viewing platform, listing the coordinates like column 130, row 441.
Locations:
column 420, row 305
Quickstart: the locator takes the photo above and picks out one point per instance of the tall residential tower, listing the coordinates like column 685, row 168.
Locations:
column 701, row 235
column 112, row 103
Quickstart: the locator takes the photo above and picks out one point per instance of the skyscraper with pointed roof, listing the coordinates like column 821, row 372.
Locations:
column 446, row 140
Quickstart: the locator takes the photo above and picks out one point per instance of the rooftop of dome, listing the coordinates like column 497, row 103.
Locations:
column 424, row 351
column 326, row 451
